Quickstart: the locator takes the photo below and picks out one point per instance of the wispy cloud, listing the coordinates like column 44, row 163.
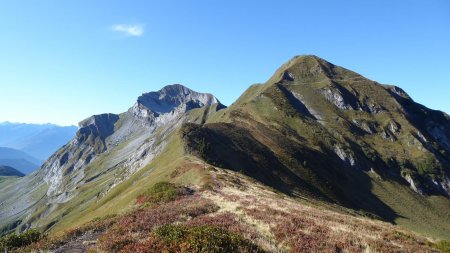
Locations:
column 136, row 30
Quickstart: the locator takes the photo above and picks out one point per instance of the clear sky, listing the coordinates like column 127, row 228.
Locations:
column 62, row 61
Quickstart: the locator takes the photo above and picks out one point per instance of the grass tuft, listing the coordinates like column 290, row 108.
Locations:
column 161, row 192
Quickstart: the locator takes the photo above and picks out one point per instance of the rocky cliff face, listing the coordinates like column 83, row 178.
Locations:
column 112, row 144
column 169, row 98
column 68, row 163
column 157, row 108
column 101, row 133
column 97, row 126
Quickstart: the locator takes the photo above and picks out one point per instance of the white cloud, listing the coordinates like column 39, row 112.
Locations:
column 129, row 30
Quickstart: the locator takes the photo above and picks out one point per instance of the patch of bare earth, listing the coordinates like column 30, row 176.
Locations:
column 78, row 244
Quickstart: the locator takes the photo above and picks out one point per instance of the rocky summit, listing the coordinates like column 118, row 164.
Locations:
column 317, row 145
column 129, row 141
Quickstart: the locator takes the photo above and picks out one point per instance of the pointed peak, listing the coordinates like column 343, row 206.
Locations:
column 306, row 58
column 310, row 65
column 309, row 69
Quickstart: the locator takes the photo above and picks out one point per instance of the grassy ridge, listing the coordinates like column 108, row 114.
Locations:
column 290, row 142
column 237, row 215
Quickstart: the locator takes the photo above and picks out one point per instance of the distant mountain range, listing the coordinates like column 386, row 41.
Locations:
column 9, row 171
column 26, row 146
column 19, row 160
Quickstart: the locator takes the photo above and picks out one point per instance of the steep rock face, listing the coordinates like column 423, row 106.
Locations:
column 169, row 102
column 345, row 156
column 109, row 147
column 434, row 124
column 336, row 97
column 412, row 184
column 100, row 126
column 172, row 96
column 440, row 132
column 89, row 142
column 101, row 133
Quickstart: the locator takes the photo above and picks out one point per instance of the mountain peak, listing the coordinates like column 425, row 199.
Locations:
column 175, row 89
column 308, row 62
column 306, row 57
column 172, row 96
column 310, row 68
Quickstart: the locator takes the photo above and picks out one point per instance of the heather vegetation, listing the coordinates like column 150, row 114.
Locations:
column 237, row 215
column 138, row 224
column 15, row 241
column 205, row 238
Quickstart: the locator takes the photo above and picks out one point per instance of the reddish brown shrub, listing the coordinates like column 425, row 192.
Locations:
column 138, row 224
column 116, row 242
column 227, row 221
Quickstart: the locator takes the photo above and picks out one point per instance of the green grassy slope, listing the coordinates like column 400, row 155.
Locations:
column 285, row 133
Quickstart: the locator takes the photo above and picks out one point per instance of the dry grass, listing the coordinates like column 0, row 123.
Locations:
column 239, row 215
column 297, row 226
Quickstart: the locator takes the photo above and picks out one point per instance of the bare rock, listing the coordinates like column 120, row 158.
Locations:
column 394, row 127
column 336, row 97
column 345, row 156
column 412, row 184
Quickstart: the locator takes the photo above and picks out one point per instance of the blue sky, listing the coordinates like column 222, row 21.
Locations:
column 62, row 61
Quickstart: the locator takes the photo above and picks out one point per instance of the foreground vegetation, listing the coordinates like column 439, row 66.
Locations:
column 14, row 241
column 237, row 215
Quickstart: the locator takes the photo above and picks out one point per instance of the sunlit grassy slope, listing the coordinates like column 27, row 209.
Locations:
column 289, row 143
